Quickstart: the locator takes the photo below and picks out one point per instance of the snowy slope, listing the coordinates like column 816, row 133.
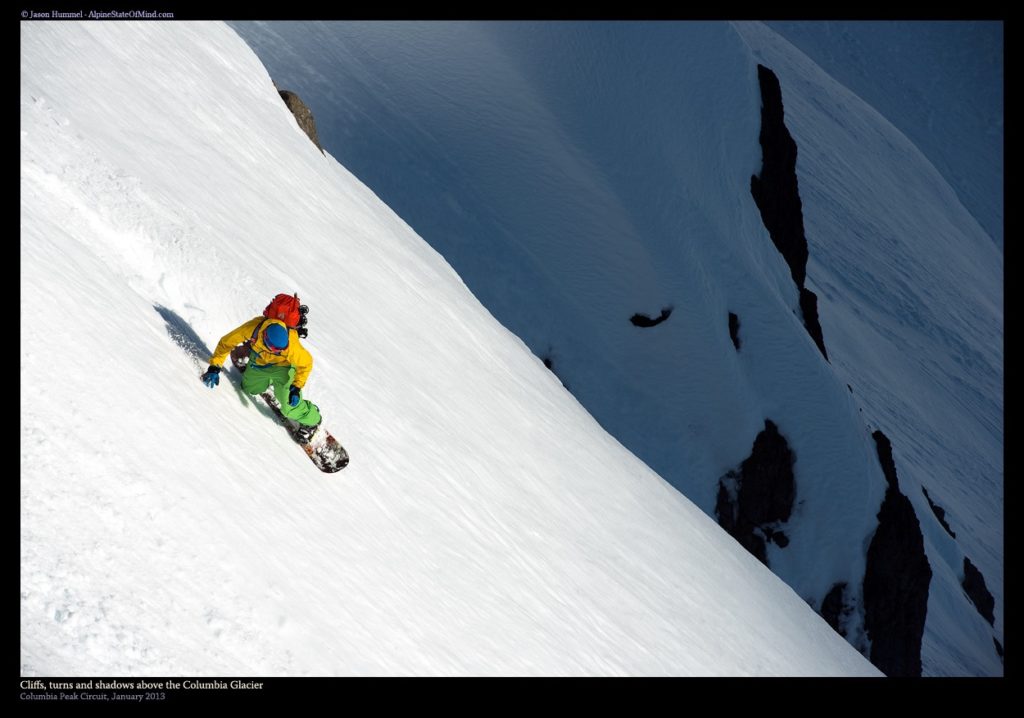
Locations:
column 575, row 174
column 918, row 334
column 486, row 525
column 939, row 82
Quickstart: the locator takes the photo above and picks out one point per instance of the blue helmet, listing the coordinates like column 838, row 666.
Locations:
column 276, row 337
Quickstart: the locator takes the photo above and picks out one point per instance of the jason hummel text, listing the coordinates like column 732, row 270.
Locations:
column 52, row 15
column 97, row 15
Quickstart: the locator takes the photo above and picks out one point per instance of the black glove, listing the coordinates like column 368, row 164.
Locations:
column 293, row 396
column 212, row 376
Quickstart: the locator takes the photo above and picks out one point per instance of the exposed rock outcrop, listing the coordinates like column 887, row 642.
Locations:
column 777, row 195
column 734, row 330
column 896, row 578
column 642, row 320
column 834, row 609
column 974, row 586
column 939, row 512
column 303, row 115
column 809, row 308
column 753, row 501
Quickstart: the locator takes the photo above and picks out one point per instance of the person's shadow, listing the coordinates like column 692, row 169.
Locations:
column 185, row 337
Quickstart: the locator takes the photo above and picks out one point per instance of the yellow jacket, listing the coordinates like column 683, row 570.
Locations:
column 295, row 355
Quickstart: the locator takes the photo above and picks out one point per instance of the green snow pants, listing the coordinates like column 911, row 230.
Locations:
column 256, row 379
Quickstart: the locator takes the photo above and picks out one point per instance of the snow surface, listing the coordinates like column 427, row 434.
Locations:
column 486, row 525
column 938, row 82
column 917, row 330
column 577, row 173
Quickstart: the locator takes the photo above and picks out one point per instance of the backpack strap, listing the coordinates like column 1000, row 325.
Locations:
column 256, row 331
column 255, row 334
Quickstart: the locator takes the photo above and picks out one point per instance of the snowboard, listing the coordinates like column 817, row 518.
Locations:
column 323, row 449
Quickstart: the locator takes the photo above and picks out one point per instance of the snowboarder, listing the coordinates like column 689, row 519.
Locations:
column 277, row 358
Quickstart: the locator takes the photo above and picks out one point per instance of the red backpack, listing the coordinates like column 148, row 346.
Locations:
column 288, row 310
column 285, row 308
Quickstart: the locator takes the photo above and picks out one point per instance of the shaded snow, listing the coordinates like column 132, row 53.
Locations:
column 576, row 174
